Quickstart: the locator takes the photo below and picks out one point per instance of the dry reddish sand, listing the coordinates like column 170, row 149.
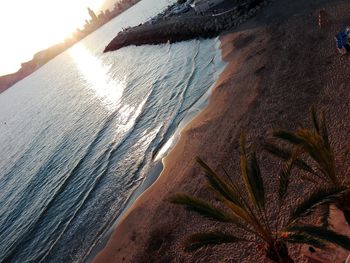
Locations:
column 280, row 64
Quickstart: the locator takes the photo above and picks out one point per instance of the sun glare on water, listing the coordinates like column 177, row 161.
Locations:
column 107, row 90
column 29, row 26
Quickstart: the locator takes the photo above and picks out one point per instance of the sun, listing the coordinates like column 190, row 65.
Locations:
column 29, row 26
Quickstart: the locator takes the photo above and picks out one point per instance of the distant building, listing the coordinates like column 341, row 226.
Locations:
column 92, row 14
column 201, row 6
column 102, row 16
column 108, row 13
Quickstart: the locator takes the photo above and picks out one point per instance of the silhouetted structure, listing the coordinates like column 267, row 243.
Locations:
column 92, row 14
column 45, row 55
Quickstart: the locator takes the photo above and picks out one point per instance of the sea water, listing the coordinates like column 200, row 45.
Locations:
column 79, row 135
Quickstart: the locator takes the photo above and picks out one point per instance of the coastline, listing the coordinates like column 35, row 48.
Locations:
column 158, row 163
column 42, row 57
column 137, row 200
column 267, row 84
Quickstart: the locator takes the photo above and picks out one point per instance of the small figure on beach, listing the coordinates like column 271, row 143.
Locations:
column 323, row 18
column 342, row 41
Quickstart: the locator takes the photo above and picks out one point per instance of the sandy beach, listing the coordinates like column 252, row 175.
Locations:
column 279, row 64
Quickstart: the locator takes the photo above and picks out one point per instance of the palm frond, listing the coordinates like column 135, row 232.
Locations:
column 232, row 198
column 286, row 155
column 202, row 207
column 325, row 214
column 252, row 177
column 284, row 177
column 314, row 119
column 324, row 131
column 319, row 197
column 316, row 147
column 288, row 136
column 256, row 181
column 254, row 186
column 220, row 185
column 299, row 238
column 323, row 234
column 313, row 144
column 224, row 191
column 199, row 240
column 305, row 138
column 241, row 218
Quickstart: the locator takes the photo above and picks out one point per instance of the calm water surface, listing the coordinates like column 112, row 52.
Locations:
column 78, row 136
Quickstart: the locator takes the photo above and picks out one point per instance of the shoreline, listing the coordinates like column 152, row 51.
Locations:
column 275, row 73
column 158, row 163
column 154, row 177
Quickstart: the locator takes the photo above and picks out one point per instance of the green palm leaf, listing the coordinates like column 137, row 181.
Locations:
column 220, row 185
column 286, row 155
column 324, row 131
column 323, row 234
column 290, row 137
column 199, row 240
column 283, row 183
column 316, row 147
column 305, row 138
column 256, row 181
column 299, row 238
column 313, row 144
column 284, row 177
column 325, row 214
column 315, row 119
column 252, row 177
column 202, row 207
column 233, row 200
column 320, row 197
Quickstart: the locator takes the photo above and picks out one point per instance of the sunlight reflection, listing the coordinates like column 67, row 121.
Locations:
column 128, row 115
column 109, row 91
column 162, row 152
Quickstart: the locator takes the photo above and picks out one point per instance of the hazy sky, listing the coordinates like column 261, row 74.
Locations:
column 27, row 26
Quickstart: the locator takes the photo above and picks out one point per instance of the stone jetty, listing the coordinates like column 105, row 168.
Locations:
column 181, row 28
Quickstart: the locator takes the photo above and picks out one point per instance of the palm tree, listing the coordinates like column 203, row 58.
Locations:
column 246, row 209
column 313, row 144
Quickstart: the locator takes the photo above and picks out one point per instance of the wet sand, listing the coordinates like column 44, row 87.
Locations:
column 280, row 63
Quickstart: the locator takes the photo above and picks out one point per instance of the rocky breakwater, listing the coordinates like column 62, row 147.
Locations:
column 181, row 28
